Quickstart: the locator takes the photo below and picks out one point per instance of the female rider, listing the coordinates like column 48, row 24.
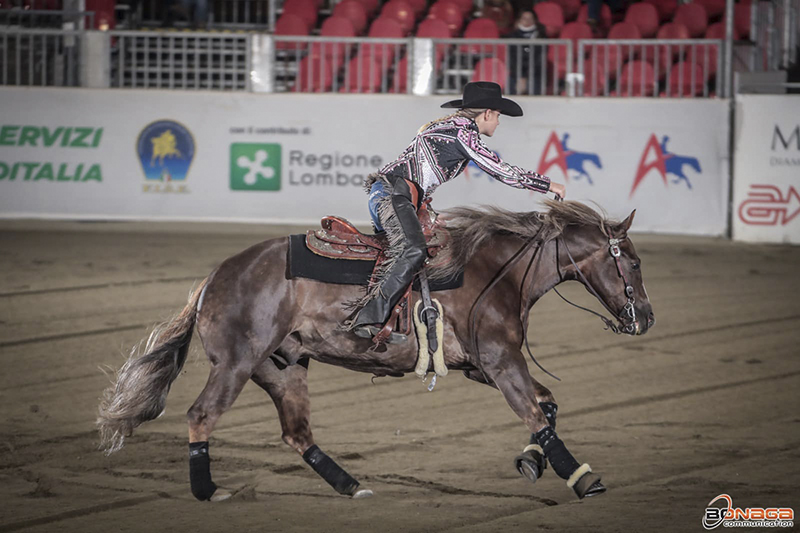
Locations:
column 440, row 152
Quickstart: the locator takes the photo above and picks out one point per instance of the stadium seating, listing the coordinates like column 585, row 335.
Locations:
column 363, row 75
column 388, row 29
column 694, row 17
column 551, row 15
column 593, row 78
column 400, row 79
column 576, row 31
column 290, row 25
column 371, row 6
column 491, row 69
column 637, row 79
column 314, row 75
column 402, row 12
column 335, row 27
column 571, row 8
column 645, row 17
column 305, row 9
column 450, row 13
column 433, row 29
column 605, row 16
column 419, row 7
column 480, row 28
column 741, row 19
column 355, row 12
column 717, row 31
column 714, row 8
column 686, row 79
column 466, row 7
column 666, row 8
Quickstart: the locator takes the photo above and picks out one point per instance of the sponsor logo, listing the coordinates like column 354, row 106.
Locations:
column 42, row 141
column 782, row 143
column 766, row 205
column 309, row 169
column 165, row 149
column 728, row 516
column 571, row 162
column 255, row 167
column 657, row 158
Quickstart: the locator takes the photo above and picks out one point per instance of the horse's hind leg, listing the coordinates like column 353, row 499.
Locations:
column 287, row 385
column 223, row 387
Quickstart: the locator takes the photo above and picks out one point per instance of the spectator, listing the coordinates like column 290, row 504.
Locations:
column 525, row 61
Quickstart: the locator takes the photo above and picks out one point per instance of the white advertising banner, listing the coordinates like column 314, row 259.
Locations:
column 84, row 153
column 766, row 203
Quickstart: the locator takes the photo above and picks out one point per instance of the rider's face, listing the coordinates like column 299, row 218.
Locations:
column 488, row 122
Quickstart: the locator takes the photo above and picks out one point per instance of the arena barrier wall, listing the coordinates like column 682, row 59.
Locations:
column 166, row 155
column 766, row 202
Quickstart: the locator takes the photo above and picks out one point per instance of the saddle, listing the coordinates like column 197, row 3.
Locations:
column 339, row 239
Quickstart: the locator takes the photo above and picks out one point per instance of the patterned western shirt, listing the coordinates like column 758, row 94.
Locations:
column 442, row 151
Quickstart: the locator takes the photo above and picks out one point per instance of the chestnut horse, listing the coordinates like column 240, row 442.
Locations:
column 255, row 324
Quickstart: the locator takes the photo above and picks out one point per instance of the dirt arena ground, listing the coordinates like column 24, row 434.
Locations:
column 706, row 403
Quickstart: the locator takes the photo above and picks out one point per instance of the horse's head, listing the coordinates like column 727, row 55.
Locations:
column 606, row 262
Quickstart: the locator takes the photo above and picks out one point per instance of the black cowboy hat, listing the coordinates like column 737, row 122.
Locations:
column 488, row 95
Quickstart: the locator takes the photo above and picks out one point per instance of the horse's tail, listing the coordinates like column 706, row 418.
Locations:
column 139, row 391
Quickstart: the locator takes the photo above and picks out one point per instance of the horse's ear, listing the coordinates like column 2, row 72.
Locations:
column 625, row 225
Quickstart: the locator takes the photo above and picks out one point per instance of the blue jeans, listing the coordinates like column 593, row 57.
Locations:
column 376, row 194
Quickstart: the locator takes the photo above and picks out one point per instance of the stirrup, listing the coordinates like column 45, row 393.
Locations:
column 368, row 332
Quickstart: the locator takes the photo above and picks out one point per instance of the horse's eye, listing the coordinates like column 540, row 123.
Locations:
column 635, row 266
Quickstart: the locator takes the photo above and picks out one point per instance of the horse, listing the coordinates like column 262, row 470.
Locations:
column 576, row 160
column 255, row 324
column 673, row 164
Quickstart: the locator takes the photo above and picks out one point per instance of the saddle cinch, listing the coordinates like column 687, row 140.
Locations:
column 339, row 239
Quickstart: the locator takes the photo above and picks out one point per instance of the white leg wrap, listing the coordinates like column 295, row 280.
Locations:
column 438, row 356
column 534, row 447
column 424, row 358
column 576, row 475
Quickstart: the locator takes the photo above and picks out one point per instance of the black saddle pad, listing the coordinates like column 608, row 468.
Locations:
column 303, row 263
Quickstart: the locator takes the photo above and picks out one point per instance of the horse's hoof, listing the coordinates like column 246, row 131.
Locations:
column 589, row 485
column 220, row 495
column 530, row 465
column 362, row 493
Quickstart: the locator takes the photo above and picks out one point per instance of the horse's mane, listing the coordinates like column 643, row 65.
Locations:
column 472, row 228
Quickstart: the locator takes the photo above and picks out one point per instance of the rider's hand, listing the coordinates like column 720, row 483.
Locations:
column 559, row 190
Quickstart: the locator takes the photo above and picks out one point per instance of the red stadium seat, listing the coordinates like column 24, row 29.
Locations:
column 673, row 30
column 502, row 14
column 402, row 12
column 371, row 6
column 388, row 29
column 717, row 31
column 645, row 17
column 571, row 8
column 637, row 79
column 290, row 25
column 363, row 75
column 400, row 80
column 558, row 61
column 355, row 12
column 694, row 17
column 480, row 28
column 594, row 79
column 666, row 8
column 605, row 16
column 491, row 69
column 669, row 53
column 305, row 9
column 714, row 8
column 610, row 58
column 433, row 29
column 686, row 79
column 314, row 75
column 419, row 7
column 625, row 31
column 576, row 31
column 450, row 13
column 466, row 6
column 335, row 27
column 741, row 19
column 551, row 15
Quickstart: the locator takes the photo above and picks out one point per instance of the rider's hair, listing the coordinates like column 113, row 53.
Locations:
column 470, row 112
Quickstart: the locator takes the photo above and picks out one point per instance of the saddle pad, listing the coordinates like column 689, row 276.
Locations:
column 303, row 263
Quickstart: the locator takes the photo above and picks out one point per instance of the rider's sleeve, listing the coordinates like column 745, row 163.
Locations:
column 473, row 148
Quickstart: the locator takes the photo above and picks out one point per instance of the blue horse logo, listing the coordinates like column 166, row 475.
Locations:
column 575, row 160
column 673, row 163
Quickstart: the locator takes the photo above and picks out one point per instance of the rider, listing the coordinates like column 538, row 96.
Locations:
column 440, row 152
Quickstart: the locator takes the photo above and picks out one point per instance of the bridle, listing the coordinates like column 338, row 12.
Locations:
column 628, row 311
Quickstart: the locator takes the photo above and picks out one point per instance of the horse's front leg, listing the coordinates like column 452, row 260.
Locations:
column 510, row 374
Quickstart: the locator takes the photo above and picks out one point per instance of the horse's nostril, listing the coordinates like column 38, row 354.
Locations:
column 651, row 320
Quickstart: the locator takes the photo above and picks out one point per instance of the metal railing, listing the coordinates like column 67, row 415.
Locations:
column 46, row 18
column 173, row 60
column 42, row 58
column 520, row 66
column 340, row 64
column 670, row 68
